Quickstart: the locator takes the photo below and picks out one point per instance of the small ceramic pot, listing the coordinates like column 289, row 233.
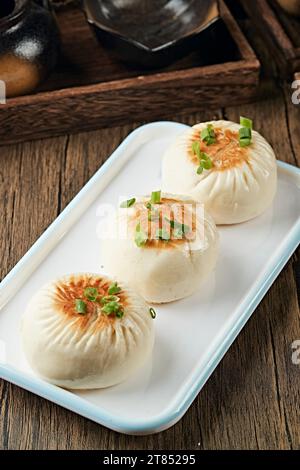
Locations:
column 29, row 44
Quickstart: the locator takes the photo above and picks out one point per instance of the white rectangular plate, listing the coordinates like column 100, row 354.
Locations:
column 192, row 335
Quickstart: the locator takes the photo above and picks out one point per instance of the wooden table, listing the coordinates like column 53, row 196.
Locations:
column 252, row 401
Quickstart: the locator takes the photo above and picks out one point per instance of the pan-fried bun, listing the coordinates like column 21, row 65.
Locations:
column 237, row 184
column 169, row 248
column 86, row 331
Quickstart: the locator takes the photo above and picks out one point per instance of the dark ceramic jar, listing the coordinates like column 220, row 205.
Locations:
column 29, row 44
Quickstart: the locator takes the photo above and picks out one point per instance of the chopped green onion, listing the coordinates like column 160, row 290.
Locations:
column 114, row 289
column 245, row 122
column 245, row 142
column 204, row 156
column 245, row 136
column 196, row 148
column 178, row 226
column 208, row 135
column 148, row 206
column 112, row 307
column 80, row 306
column 120, row 313
column 245, row 132
column 109, row 298
column 156, row 197
column 206, row 164
column 128, row 203
column 91, row 293
column 162, row 234
column 152, row 312
column 140, row 236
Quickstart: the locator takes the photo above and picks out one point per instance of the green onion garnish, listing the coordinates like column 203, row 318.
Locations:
column 245, row 122
column 208, row 135
column 196, row 148
column 110, row 307
column 80, row 306
column 156, row 197
column 206, row 164
column 120, row 313
column 178, row 226
column 204, row 156
column 148, row 206
column 114, row 289
column 162, row 234
column 152, row 312
column 128, row 203
column 91, row 293
column 245, row 132
column 113, row 307
column 109, row 298
column 245, row 136
column 140, row 236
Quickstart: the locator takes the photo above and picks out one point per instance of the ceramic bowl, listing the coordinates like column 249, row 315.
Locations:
column 150, row 32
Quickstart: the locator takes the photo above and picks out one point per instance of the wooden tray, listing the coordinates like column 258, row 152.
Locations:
column 280, row 31
column 91, row 89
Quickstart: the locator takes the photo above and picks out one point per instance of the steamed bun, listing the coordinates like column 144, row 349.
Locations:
column 84, row 331
column 241, row 182
column 169, row 247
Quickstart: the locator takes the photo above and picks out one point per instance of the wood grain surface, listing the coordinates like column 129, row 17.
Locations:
column 251, row 401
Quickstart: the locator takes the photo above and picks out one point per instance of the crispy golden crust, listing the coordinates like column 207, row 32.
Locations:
column 225, row 154
column 66, row 293
column 171, row 209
